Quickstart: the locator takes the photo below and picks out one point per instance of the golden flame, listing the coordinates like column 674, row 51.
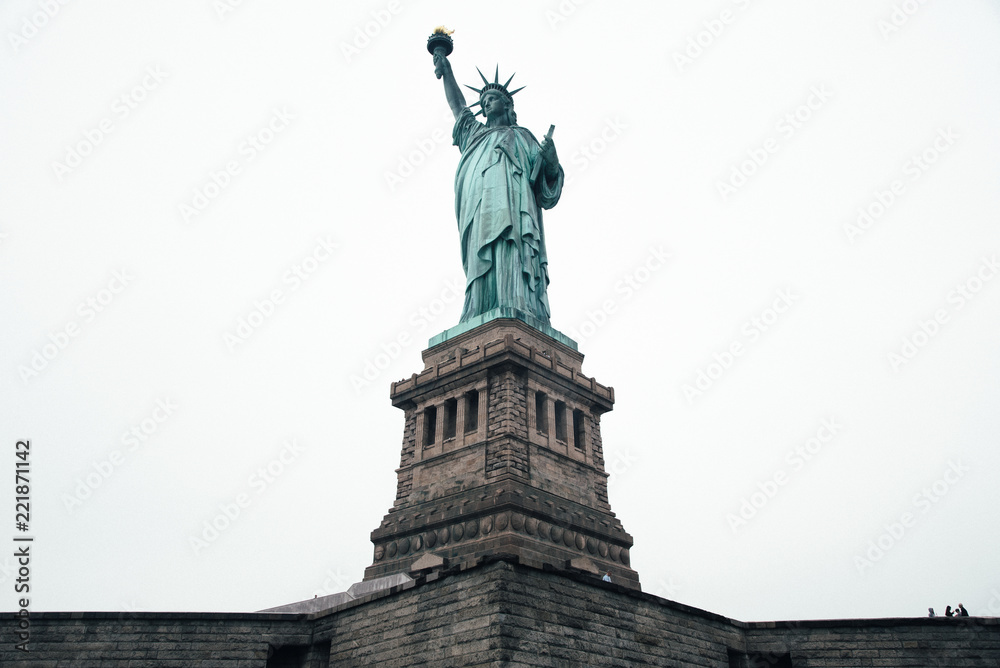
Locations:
column 441, row 30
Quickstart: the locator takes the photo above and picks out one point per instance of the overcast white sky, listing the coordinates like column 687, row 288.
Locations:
column 169, row 169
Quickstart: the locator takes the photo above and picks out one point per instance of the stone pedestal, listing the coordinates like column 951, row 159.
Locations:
column 502, row 454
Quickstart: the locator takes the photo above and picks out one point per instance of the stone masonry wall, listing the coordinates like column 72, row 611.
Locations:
column 404, row 483
column 506, row 615
column 508, row 411
column 555, row 621
column 153, row 640
column 501, row 615
column 961, row 642
column 507, row 455
column 450, row 622
column 510, row 616
column 507, row 417
column 597, row 448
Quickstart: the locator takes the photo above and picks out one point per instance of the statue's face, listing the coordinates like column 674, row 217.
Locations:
column 494, row 105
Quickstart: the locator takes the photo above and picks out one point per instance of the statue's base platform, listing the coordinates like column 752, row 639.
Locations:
column 502, row 455
column 495, row 314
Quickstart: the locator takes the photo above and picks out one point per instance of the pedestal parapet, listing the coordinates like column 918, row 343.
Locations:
column 502, row 454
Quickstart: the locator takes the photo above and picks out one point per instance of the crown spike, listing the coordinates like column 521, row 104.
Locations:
column 493, row 87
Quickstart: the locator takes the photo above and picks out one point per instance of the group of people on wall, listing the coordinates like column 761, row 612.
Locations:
column 960, row 611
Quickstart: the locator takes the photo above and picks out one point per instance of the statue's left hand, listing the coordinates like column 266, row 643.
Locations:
column 550, row 157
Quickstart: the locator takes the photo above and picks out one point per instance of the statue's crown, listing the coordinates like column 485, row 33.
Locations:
column 495, row 86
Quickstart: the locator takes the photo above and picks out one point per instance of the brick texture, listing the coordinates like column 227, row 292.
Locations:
column 508, row 410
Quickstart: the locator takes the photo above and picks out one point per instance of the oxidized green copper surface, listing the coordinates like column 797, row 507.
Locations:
column 505, row 178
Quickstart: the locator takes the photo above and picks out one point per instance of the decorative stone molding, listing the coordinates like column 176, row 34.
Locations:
column 510, row 522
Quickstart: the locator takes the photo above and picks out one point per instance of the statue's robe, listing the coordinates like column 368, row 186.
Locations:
column 500, row 218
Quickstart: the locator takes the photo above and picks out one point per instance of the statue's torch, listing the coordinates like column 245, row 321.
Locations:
column 440, row 43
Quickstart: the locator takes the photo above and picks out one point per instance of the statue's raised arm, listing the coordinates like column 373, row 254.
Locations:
column 452, row 91
column 440, row 45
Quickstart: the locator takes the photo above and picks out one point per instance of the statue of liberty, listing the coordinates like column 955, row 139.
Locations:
column 504, row 180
